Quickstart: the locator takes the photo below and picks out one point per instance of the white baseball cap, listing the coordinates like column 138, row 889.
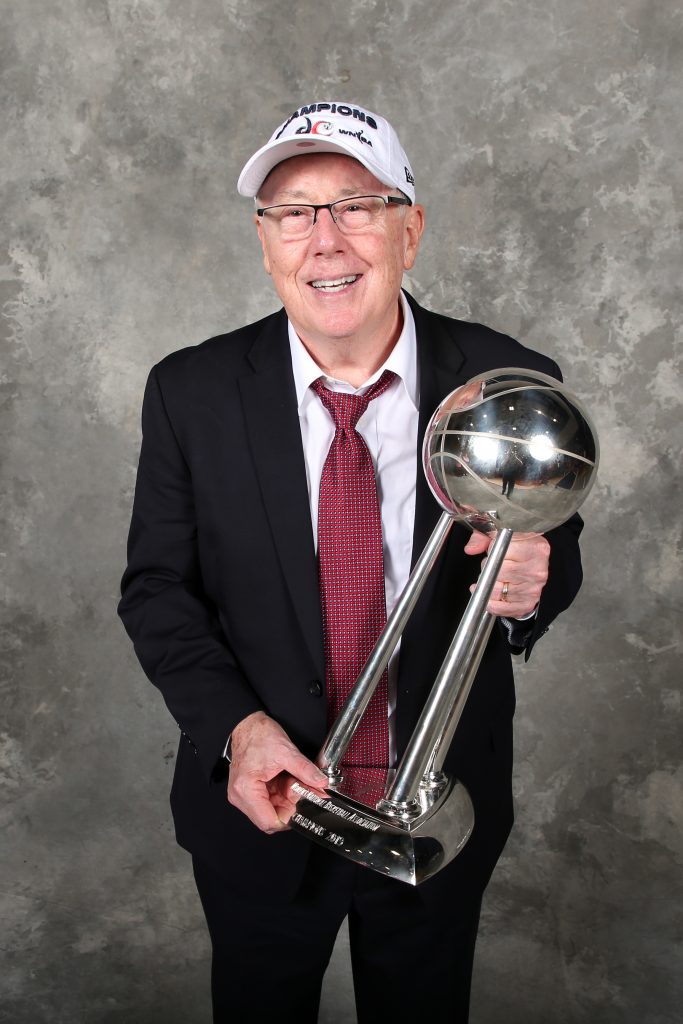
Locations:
column 333, row 128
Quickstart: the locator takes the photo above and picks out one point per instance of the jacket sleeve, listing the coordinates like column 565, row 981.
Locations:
column 174, row 627
column 564, row 579
column 565, row 575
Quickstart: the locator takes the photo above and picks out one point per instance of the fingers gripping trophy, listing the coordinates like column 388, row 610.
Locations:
column 411, row 821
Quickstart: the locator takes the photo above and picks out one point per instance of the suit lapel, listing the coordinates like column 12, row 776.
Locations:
column 442, row 367
column 274, row 434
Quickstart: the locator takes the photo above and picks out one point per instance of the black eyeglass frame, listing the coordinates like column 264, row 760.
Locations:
column 387, row 200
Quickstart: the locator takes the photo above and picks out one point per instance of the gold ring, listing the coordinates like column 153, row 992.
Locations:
column 504, row 592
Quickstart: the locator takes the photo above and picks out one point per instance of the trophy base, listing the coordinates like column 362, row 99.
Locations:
column 410, row 848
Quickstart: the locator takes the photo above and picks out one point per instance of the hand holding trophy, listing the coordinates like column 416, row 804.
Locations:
column 510, row 450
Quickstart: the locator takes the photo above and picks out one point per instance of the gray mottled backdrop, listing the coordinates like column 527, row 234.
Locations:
column 546, row 142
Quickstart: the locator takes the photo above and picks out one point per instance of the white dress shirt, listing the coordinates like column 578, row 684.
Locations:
column 389, row 428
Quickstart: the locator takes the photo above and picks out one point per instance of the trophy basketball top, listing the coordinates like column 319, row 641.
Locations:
column 511, row 449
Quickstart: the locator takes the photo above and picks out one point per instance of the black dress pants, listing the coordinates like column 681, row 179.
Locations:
column 411, row 947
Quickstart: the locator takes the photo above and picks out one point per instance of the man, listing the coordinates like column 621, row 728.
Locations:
column 232, row 556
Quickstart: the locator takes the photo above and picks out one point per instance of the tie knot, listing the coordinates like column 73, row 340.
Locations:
column 347, row 409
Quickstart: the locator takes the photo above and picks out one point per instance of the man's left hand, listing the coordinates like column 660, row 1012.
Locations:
column 524, row 570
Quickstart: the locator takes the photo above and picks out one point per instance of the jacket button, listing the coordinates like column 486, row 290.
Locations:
column 315, row 689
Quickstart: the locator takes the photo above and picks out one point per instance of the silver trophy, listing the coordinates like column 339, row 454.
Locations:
column 510, row 450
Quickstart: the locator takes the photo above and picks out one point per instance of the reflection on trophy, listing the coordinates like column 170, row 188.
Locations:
column 510, row 450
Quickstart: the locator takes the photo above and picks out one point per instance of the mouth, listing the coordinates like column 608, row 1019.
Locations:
column 336, row 284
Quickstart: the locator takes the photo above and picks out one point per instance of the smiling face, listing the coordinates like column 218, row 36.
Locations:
column 338, row 290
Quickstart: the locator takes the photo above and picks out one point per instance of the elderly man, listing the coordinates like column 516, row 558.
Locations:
column 279, row 506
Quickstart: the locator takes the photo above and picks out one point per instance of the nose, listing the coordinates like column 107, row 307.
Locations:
column 326, row 235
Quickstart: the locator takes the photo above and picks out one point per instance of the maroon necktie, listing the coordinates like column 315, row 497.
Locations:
column 351, row 569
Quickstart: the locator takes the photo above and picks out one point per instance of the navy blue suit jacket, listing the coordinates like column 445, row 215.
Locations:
column 220, row 596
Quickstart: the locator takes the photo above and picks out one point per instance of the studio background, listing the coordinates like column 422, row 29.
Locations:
column 546, row 143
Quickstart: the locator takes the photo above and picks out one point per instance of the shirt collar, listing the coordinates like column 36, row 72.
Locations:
column 402, row 360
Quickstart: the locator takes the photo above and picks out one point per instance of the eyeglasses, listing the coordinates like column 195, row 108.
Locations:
column 362, row 213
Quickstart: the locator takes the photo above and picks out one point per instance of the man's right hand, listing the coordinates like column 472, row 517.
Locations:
column 264, row 765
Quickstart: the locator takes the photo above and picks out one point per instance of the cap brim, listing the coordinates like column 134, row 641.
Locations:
column 257, row 169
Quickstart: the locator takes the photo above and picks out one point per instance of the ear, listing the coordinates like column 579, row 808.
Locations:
column 264, row 245
column 412, row 232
